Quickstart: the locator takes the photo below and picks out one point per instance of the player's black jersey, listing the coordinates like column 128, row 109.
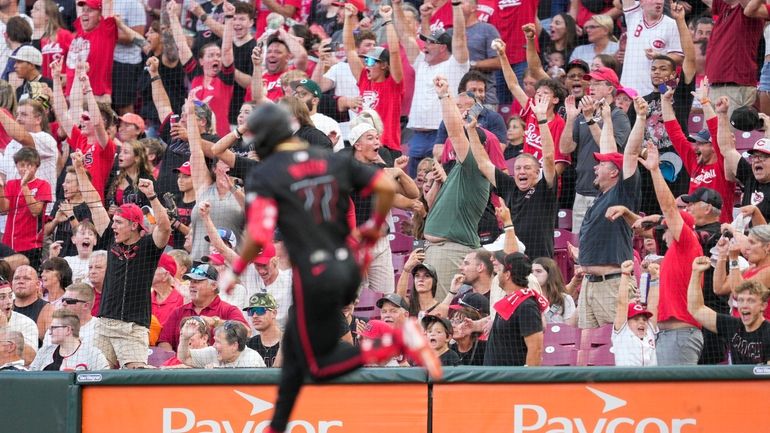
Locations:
column 311, row 188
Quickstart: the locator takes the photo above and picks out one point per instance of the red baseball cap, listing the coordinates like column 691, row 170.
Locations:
column 133, row 119
column 635, row 309
column 604, row 74
column 614, row 157
column 268, row 252
column 359, row 4
column 168, row 263
column 93, row 4
column 184, row 169
column 215, row 259
column 132, row 213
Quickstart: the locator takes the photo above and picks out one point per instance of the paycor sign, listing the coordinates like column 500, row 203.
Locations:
column 608, row 407
column 534, row 418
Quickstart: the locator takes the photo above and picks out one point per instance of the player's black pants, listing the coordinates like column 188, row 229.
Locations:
column 311, row 343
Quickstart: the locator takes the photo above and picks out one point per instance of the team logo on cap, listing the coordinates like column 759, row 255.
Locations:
column 757, row 197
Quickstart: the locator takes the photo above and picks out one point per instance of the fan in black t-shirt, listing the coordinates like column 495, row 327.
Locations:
column 125, row 307
column 263, row 312
column 748, row 335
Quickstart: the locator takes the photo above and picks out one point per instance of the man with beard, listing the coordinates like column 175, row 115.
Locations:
column 27, row 300
column 705, row 164
column 309, row 92
column 754, row 174
column 605, row 236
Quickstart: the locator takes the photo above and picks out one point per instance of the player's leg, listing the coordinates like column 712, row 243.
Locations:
column 293, row 373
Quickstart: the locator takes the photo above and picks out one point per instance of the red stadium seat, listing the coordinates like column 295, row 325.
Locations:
column 560, row 334
column 601, row 356
column 695, row 123
column 560, row 253
column 400, row 243
column 558, row 356
column 745, row 140
column 565, row 219
column 366, row 307
column 158, row 356
column 596, row 337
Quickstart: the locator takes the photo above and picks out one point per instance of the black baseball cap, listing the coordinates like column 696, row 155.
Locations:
column 746, row 119
column 438, row 37
column 431, row 319
column 474, row 301
column 706, row 195
column 393, row 299
column 577, row 63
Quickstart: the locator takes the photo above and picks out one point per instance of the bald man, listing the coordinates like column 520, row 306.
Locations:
column 27, row 301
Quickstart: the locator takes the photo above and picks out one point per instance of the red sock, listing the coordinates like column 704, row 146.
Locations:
column 271, row 430
column 376, row 351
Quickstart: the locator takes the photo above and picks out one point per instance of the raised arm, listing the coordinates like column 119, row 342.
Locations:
column 201, row 178
column 297, row 50
column 211, row 230
column 405, row 35
column 227, row 35
column 510, row 76
column 348, row 40
column 666, row 199
column 257, row 88
column 726, row 139
column 394, row 48
column 534, row 63
column 185, row 54
column 635, row 138
column 196, row 9
column 108, row 8
column 287, row 11
column 459, row 38
column 416, row 257
column 695, row 305
column 566, row 144
column 685, row 39
column 756, row 9
column 452, row 119
column 60, row 107
column 621, row 308
column 540, row 109
column 93, row 108
column 607, row 142
column 159, row 96
column 162, row 230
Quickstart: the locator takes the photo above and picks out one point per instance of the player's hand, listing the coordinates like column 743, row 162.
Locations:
column 371, row 231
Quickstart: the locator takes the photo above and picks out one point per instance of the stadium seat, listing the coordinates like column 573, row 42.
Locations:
column 558, row 356
column 560, row 334
column 560, row 253
column 400, row 243
column 158, row 356
column 399, row 218
column 565, row 219
column 399, row 260
column 695, row 122
column 509, row 165
column 596, row 337
column 600, row 356
column 745, row 140
column 366, row 307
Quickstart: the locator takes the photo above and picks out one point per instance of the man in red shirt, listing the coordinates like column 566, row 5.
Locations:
column 680, row 339
column 212, row 74
column 24, row 200
column 380, row 78
column 508, row 19
column 704, row 163
column 89, row 135
column 165, row 297
column 205, row 302
column 96, row 34
column 731, row 55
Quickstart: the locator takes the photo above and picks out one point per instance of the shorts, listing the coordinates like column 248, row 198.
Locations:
column 125, row 79
column 764, row 78
column 122, row 342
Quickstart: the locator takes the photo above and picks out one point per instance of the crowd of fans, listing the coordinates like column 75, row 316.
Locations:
column 123, row 128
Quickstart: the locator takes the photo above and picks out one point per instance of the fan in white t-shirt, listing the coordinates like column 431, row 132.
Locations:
column 633, row 336
column 650, row 33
